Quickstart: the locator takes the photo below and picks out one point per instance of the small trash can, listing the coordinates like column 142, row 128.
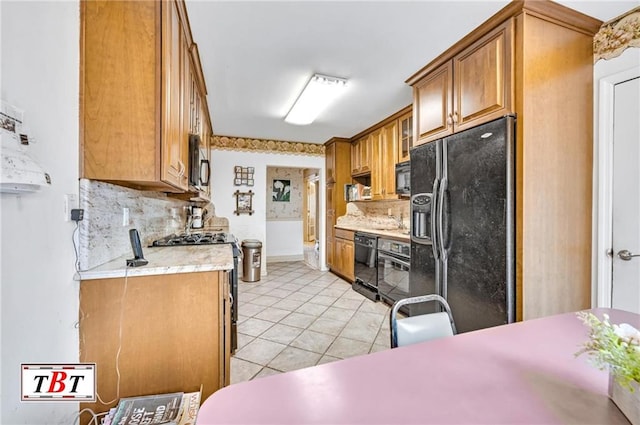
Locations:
column 251, row 260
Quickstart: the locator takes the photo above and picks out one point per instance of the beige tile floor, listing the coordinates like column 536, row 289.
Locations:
column 298, row 317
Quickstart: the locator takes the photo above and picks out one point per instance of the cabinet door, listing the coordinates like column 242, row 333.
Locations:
column 188, row 98
column 482, row 79
column 348, row 255
column 360, row 156
column 365, row 154
column 355, row 157
column 405, row 137
column 173, row 149
column 432, row 105
column 338, row 258
column 119, row 96
column 330, row 162
column 225, row 319
column 377, row 183
column 206, row 147
column 330, row 222
column 388, row 159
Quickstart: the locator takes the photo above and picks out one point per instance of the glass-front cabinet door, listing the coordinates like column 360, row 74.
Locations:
column 405, row 138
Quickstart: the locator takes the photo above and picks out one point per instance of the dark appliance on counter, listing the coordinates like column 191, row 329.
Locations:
column 462, row 224
column 394, row 264
column 199, row 168
column 138, row 258
column 403, row 178
column 366, row 282
column 210, row 238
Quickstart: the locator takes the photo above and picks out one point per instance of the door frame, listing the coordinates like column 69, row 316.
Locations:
column 315, row 180
column 603, row 205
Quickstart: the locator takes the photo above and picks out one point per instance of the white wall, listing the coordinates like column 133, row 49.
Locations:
column 255, row 226
column 285, row 218
column 289, row 248
column 39, row 298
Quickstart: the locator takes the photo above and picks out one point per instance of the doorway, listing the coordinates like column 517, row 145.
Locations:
column 311, row 233
column 618, row 237
column 312, row 213
column 625, row 274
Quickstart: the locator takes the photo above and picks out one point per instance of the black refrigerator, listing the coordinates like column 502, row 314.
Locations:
column 462, row 224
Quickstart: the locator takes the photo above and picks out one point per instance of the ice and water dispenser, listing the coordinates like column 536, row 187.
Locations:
column 421, row 218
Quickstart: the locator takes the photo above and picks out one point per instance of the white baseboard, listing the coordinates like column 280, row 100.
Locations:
column 284, row 258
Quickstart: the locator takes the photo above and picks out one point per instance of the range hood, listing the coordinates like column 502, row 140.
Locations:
column 20, row 172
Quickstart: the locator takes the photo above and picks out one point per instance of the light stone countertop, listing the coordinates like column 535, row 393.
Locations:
column 167, row 260
column 398, row 234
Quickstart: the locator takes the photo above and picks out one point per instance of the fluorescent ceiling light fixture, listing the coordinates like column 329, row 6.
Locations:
column 319, row 92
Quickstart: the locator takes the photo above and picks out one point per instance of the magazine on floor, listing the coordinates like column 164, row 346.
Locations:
column 170, row 409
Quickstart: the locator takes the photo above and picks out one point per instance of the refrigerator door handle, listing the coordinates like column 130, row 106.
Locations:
column 440, row 235
column 434, row 234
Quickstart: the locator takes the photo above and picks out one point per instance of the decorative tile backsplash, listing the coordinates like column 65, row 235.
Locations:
column 380, row 215
column 102, row 236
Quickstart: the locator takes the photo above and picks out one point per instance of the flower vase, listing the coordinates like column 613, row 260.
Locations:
column 628, row 402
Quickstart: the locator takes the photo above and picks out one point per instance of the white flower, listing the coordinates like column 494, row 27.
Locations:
column 627, row 333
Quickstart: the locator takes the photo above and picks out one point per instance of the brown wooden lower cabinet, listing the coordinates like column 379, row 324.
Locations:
column 343, row 254
column 172, row 332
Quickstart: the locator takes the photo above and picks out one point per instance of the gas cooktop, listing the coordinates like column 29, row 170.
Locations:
column 204, row 238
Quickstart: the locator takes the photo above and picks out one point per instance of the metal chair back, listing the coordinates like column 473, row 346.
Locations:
column 424, row 327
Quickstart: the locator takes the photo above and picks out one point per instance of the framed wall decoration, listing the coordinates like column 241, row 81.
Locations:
column 281, row 190
column 244, row 201
column 243, row 176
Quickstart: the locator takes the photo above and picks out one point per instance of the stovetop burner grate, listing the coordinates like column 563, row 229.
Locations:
column 204, row 238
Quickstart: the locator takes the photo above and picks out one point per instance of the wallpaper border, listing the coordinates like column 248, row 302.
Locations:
column 617, row 35
column 266, row 146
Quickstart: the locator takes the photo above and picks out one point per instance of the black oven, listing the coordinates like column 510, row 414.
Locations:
column 394, row 264
column 365, row 265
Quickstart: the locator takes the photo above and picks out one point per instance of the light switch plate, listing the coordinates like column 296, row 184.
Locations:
column 70, row 203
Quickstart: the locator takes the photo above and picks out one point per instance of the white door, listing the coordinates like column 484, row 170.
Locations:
column 311, row 211
column 626, row 197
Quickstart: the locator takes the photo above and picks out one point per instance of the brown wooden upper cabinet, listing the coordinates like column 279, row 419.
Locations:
column 174, row 152
column 330, row 159
column 383, row 177
column 196, row 116
column 472, row 88
column 361, row 156
column 136, row 66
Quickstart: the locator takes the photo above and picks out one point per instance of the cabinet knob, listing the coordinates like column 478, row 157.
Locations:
column 455, row 117
column 450, row 119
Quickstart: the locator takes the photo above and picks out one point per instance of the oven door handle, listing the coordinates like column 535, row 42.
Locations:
column 396, row 259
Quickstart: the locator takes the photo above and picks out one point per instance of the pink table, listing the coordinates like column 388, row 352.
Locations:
column 523, row 373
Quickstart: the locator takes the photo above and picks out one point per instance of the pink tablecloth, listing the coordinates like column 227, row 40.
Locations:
column 523, row 373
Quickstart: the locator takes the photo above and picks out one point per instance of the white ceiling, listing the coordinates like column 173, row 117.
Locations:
column 257, row 56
